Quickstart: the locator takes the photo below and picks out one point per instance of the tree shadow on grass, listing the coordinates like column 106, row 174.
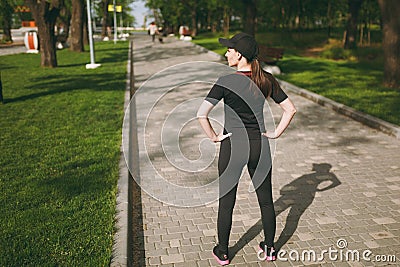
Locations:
column 296, row 197
column 54, row 84
column 121, row 55
column 71, row 65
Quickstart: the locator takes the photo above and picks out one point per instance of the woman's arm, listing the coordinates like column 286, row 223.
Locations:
column 288, row 112
column 202, row 116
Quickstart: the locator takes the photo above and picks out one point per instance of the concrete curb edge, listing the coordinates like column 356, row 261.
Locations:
column 371, row 121
column 121, row 236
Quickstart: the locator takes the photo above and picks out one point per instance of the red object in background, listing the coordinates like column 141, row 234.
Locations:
column 28, row 24
column 31, row 42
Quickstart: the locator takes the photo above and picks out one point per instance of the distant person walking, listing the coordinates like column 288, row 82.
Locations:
column 244, row 140
column 152, row 30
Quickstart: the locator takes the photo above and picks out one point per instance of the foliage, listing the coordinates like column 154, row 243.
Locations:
column 7, row 9
column 127, row 18
column 337, row 53
column 60, row 148
column 285, row 14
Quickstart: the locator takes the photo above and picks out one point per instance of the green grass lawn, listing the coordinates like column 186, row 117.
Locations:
column 60, row 148
column 355, row 81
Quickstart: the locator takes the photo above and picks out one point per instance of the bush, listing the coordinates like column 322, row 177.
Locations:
column 337, row 53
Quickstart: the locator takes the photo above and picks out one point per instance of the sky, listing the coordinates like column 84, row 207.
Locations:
column 139, row 11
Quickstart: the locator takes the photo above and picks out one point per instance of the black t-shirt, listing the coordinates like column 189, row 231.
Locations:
column 243, row 102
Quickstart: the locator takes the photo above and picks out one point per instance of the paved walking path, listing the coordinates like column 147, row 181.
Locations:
column 10, row 50
column 336, row 182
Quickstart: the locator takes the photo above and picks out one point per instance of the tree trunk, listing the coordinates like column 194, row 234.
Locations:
column 211, row 22
column 7, row 29
column 7, row 21
column 85, row 29
column 329, row 17
column 194, row 21
column 45, row 15
column 65, row 18
column 390, row 11
column 104, row 31
column 76, row 38
column 251, row 14
column 351, row 28
column 1, row 90
column 226, row 21
column 300, row 23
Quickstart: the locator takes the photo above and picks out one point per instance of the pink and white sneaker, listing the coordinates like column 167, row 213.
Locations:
column 222, row 258
column 269, row 252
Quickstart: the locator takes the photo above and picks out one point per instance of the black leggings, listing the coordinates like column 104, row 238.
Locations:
column 230, row 166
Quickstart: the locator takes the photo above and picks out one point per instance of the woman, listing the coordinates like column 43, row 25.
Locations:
column 244, row 140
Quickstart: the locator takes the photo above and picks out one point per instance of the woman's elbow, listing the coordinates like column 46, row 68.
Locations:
column 293, row 110
column 201, row 116
column 288, row 107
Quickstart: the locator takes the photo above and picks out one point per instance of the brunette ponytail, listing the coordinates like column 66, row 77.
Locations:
column 261, row 78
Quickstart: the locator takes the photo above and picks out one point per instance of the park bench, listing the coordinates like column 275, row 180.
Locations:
column 184, row 31
column 61, row 40
column 269, row 55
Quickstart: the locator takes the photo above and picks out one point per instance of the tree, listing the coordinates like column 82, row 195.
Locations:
column 390, row 10
column 45, row 14
column 107, row 18
column 211, row 12
column 191, row 8
column 104, row 20
column 250, row 16
column 64, row 19
column 173, row 12
column 226, row 19
column 352, row 20
column 6, row 9
column 77, row 22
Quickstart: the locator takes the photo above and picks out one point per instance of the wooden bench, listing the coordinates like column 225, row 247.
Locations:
column 269, row 55
column 61, row 38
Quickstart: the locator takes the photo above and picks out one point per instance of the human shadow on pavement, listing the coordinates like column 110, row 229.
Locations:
column 296, row 196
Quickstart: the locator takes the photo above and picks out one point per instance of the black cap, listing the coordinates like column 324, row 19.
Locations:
column 244, row 43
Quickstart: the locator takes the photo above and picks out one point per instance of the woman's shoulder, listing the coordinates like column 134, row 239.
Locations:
column 232, row 78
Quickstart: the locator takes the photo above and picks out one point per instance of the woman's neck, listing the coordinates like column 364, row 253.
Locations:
column 243, row 65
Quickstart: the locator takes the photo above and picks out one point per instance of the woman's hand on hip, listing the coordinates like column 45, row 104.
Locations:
column 220, row 137
column 269, row 135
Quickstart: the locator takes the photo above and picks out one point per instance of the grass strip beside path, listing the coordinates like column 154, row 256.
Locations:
column 60, row 148
column 356, row 83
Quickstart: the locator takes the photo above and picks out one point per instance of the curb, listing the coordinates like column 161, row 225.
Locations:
column 120, row 255
column 371, row 121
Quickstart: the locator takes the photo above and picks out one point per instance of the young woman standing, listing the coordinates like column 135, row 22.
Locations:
column 244, row 140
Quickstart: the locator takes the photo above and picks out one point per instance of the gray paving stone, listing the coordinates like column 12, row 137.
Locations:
column 154, row 261
column 174, row 258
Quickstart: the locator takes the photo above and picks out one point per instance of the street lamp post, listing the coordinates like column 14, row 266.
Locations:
column 92, row 64
column 115, row 22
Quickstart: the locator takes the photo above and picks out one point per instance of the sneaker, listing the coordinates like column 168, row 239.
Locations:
column 221, row 257
column 269, row 252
